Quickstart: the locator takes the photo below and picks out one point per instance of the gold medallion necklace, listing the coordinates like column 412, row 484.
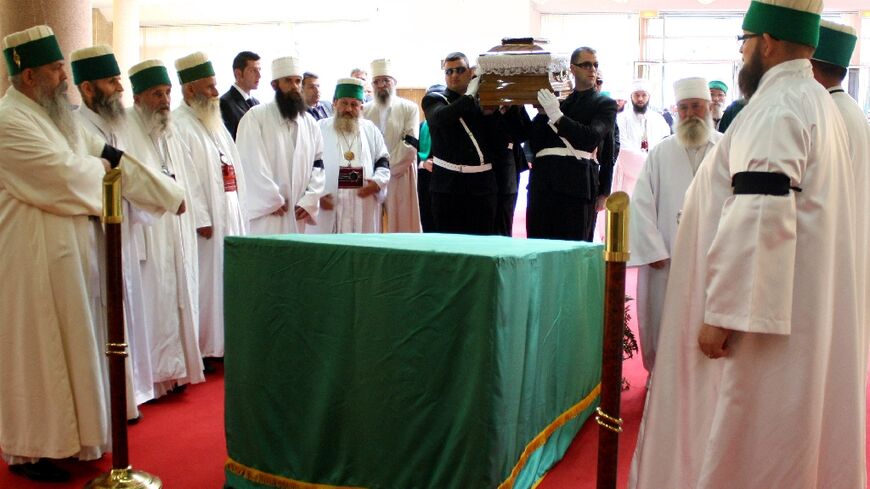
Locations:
column 349, row 154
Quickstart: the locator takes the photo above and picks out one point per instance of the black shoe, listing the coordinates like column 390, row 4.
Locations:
column 135, row 420
column 42, row 471
column 210, row 364
column 178, row 389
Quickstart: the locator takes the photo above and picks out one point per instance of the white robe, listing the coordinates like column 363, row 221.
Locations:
column 655, row 207
column 170, row 271
column 785, row 408
column 352, row 213
column 631, row 158
column 225, row 214
column 859, row 149
column 401, row 118
column 132, row 250
column 278, row 156
column 52, row 388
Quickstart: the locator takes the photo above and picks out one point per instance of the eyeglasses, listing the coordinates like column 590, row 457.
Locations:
column 458, row 70
column 586, row 65
column 744, row 37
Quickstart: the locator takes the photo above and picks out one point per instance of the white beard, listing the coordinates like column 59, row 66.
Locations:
column 694, row 132
column 208, row 111
column 156, row 121
column 59, row 110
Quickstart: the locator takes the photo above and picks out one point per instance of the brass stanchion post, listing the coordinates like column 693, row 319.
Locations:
column 615, row 255
column 122, row 476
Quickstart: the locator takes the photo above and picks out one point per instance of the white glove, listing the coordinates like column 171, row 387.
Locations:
column 472, row 86
column 550, row 103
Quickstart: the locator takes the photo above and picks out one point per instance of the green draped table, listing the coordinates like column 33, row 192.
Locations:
column 407, row 361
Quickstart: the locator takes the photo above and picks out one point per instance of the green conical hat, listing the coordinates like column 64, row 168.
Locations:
column 36, row 46
column 836, row 43
column 787, row 20
column 147, row 74
column 93, row 63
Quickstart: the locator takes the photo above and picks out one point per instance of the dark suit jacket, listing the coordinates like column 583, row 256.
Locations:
column 233, row 107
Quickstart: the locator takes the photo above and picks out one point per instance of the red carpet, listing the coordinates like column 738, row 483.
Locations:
column 180, row 439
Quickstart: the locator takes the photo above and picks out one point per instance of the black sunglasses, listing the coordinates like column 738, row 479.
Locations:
column 744, row 37
column 586, row 65
column 458, row 70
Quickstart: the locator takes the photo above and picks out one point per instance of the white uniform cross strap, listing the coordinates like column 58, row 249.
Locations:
column 580, row 155
column 473, row 140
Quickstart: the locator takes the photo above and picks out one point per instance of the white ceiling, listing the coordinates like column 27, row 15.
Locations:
column 168, row 12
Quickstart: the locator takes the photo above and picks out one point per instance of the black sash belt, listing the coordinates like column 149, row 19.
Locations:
column 761, row 182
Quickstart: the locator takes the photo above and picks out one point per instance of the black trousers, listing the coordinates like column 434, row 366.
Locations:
column 559, row 216
column 463, row 214
column 426, row 219
column 504, row 214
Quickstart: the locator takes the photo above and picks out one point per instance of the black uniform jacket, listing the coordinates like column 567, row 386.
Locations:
column 451, row 143
column 588, row 123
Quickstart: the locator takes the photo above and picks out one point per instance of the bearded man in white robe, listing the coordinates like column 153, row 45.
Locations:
column 52, row 391
column 218, row 170
column 98, row 78
column 398, row 120
column 281, row 149
column 718, row 92
column 357, row 165
column 831, row 61
column 759, row 381
column 640, row 130
column 170, row 271
column 656, row 203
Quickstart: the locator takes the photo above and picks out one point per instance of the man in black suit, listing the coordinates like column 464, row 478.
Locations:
column 573, row 143
column 311, row 93
column 238, row 99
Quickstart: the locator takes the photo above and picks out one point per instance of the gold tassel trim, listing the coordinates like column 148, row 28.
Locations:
column 543, row 436
column 272, row 480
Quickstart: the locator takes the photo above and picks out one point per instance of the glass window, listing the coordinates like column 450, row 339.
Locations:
column 613, row 36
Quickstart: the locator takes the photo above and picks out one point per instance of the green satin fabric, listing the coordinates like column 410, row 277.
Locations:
column 406, row 360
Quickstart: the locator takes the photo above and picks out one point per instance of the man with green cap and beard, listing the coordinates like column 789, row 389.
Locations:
column 97, row 76
column 217, row 166
column 830, row 64
column 760, row 378
column 52, row 391
column 167, row 358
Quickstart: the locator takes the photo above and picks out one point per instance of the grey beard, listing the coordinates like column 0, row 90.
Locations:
column 59, row 111
column 109, row 107
column 346, row 125
column 208, row 111
column 694, row 132
column 383, row 97
column 716, row 111
column 156, row 121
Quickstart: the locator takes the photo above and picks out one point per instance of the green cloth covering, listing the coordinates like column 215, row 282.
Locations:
column 783, row 23
column 349, row 90
column 407, row 360
column 32, row 54
column 718, row 85
column 149, row 77
column 197, row 72
column 835, row 47
column 95, row 68
column 425, row 142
